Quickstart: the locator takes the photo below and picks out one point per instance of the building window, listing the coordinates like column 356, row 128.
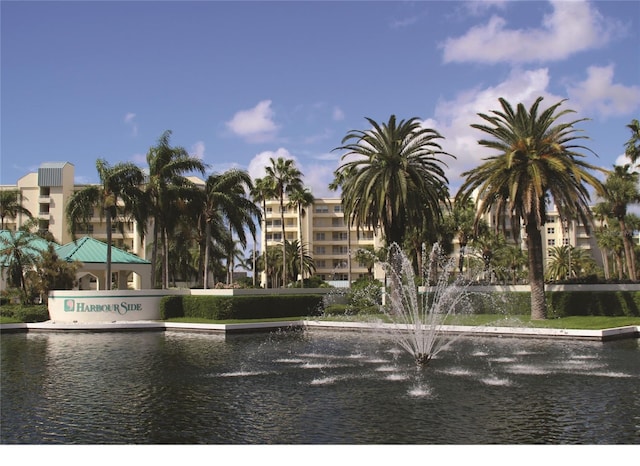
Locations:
column 319, row 236
column 322, row 209
column 565, row 241
column 551, row 242
column 320, row 250
column 339, row 236
column 551, row 231
column 337, row 222
column 337, row 208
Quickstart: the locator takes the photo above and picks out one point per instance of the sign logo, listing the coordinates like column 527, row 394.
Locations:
column 69, row 305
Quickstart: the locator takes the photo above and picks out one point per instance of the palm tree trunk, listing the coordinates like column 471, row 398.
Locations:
column 154, row 254
column 536, row 272
column 628, row 250
column 109, row 237
column 207, row 239
column 264, row 252
column 284, row 244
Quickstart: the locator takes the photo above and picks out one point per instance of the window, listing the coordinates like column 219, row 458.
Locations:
column 339, row 236
column 337, row 208
column 551, row 231
column 337, row 222
column 322, row 209
column 320, row 250
column 551, row 242
column 319, row 236
column 565, row 241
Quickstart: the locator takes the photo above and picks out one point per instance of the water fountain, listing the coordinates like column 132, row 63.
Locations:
column 419, row 306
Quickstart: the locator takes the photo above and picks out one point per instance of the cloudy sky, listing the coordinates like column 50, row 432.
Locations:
column 241, row 82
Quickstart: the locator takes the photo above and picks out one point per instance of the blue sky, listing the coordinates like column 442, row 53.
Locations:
column 240, row 82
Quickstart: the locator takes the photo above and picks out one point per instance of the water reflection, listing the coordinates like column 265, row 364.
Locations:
column 314, row 387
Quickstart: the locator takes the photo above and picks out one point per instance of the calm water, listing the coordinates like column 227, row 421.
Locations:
column 313, row 387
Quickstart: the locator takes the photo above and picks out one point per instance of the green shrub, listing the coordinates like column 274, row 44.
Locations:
column 240, row 307
column 24, row 313
column 593, row 303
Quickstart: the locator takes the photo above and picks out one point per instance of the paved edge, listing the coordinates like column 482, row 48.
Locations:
column 226, row 329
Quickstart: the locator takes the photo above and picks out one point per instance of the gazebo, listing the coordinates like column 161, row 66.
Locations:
column 92, row 254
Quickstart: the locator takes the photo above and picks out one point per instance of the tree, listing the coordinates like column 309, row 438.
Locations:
column 394, row 178
column 263, row 190
column 621, row 189
column 165, row 187
column 11, row 206
column 54, row 273
column 285, row 179
column 19, row 252
column 632, row 147
column 300, row 262
column 536, row 162
column 117, row 197
column 225, row 198
column 301, row 198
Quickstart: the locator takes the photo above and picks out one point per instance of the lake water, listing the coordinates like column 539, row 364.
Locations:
column 313, row 387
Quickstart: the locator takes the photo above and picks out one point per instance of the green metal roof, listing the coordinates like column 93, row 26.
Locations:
column 90, row 250
column 36, row 244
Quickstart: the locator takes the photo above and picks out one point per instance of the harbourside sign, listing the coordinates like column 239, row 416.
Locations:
column 106, row 306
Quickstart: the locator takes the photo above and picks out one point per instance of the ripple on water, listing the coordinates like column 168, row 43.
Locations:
column 420, row 391
column 496, row 381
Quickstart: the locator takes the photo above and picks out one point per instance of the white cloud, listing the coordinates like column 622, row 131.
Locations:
column 255, row 124
column 571, row 27
column 453, row 118
column 598, row 93
column 130, row 120
column 197, row 150
column 260, row 161
column 316, row 177
column 338, row 114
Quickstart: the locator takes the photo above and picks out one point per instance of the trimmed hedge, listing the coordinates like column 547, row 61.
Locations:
column 593, row 303
column 563, row 303
column 32, row 313
column 240, row 307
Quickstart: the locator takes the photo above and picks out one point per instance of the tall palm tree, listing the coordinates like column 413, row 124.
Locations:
column 166, row 185
column 394, row 178
column 536, row 161
column 621, row 190
column 632, row 147
column 225, row 197
column 301, row 198
column 285, row 177
column 11, row 206
column 118, row 197
column 262, row 191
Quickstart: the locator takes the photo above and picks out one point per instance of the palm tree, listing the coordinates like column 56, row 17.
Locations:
column 262, row 191
column 18, row 252
column 166, row 185
column 118, row 197
column 300, row 262
column 225, row 198
column 301, row 198
column 621, row 190
column 11, row 206
column 632, row 147
column 395, row 179
column 537, row 159
column 285, row 178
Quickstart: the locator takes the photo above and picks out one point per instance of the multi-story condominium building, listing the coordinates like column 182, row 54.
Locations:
column 323, row 232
